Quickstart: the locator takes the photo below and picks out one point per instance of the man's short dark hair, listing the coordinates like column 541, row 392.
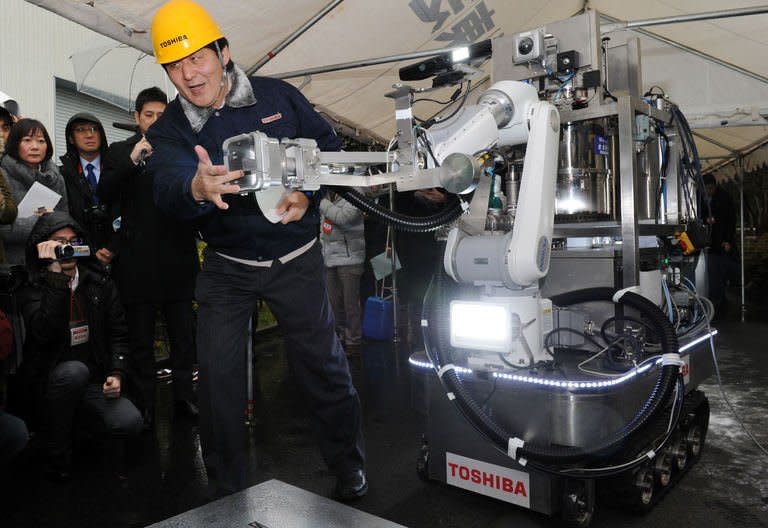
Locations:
column 22, row 129
column 223, row 43
column 5, row 116
column 709, row 179
column 150, row 95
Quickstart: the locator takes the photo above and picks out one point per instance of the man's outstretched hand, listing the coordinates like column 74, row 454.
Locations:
column 212, row 181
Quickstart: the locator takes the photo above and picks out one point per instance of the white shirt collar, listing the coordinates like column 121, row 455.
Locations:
column 96, row 163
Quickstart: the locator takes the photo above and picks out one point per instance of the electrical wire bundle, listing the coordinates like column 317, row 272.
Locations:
column 455, row 206
column 691, row 179
column 701, row 309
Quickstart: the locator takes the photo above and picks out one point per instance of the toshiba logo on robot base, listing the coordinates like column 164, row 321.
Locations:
column 488, row 479
column 503, row 483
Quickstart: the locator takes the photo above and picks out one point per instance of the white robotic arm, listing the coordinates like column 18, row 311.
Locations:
column 532, row 236
column 499, row 118
column 508, row 323
column 524, row 257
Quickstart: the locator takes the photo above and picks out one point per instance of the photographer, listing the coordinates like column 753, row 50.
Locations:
column 76, row 349
column 81, row 168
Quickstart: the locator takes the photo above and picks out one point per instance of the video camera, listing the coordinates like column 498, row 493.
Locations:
column 68, row 251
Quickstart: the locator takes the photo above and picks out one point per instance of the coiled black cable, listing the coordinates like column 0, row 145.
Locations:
column 401, row 222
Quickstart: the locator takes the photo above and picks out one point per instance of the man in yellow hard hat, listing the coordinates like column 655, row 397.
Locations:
column 248, row 256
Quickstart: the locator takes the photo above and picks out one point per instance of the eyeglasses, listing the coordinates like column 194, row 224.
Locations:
column 71, row 241
column 83, row 129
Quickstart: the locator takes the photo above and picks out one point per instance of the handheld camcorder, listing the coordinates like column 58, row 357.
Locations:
column 68, row 251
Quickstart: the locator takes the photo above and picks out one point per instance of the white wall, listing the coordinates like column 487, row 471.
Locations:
column 35, row 46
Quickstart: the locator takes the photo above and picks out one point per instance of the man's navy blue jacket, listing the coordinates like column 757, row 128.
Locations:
column 242, row 231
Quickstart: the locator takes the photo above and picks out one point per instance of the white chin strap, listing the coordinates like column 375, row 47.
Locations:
column 223, row 75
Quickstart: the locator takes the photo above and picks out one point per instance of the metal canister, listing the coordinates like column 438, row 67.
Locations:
column 585, row 184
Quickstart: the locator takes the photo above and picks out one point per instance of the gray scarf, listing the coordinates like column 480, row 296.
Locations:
column 240, row 94
column 47, row 173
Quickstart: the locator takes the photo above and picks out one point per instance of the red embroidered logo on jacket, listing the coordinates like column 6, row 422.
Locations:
column 272, row 118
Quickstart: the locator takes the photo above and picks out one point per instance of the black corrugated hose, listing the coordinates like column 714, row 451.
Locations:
column 435, row 311
column 401, row 222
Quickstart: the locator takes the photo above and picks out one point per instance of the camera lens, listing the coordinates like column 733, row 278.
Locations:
column 63, row 252
column 525, row 46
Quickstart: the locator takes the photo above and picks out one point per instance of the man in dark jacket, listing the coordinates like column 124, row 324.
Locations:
column 76, row 347
column 81, row 168
column 248, row 256
column 158, row 261
column 720, row 214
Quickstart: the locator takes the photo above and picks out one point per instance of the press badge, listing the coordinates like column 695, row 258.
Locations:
column 78, row 333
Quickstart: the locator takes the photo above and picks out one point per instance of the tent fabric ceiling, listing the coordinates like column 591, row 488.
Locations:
column 363, row 29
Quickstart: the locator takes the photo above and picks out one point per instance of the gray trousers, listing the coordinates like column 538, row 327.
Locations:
column 344, row 291
column 295, row 292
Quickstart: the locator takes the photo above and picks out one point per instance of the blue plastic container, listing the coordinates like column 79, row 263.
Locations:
column 378, row 319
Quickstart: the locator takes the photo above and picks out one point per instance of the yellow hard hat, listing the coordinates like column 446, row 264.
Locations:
column 180, row 28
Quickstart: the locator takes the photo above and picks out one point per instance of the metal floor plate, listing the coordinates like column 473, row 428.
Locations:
column 275, row 504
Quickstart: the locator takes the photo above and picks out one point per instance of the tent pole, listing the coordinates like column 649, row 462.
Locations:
column 395, row 295
column 693, row 17
column 364, row 62
column 715, row 143
column 293, row 36
column 741, row 240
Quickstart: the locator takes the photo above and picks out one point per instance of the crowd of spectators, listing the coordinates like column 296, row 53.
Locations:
column 96, row 261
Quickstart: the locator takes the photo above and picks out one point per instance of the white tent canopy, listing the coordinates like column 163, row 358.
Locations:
column 715, row 70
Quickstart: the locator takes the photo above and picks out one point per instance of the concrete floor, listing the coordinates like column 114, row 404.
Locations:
column 727, row 488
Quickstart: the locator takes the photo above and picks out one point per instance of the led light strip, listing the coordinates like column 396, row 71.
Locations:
column 573, row 385
column 698, row 340
column 426, row 365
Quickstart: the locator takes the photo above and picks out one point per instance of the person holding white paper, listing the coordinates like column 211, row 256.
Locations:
column 27, row 160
